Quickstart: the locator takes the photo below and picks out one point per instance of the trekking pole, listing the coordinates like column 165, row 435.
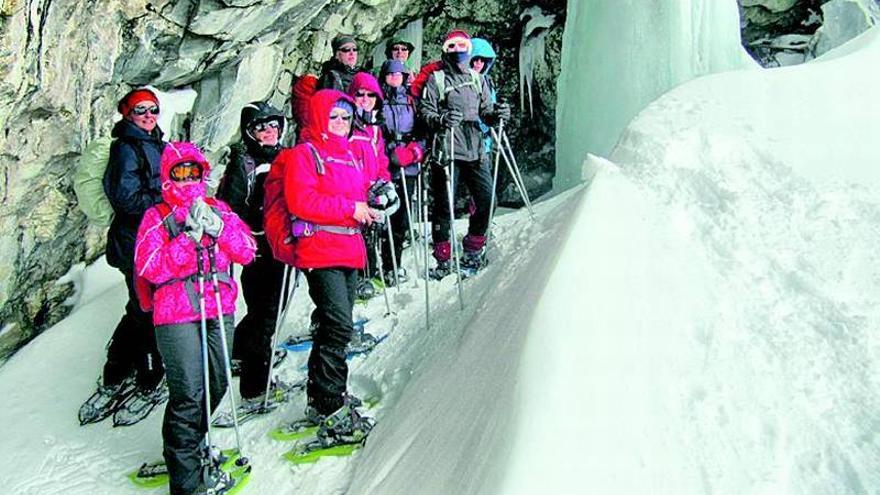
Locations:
column 378, row 252
column 451, row 195
column 284, row 299
column 393, row 252
column 409, row 221
column 204, row 337
column 423, row 213
column 212, row 261
column 517, row 172
column 513, row 175
column 494, row 185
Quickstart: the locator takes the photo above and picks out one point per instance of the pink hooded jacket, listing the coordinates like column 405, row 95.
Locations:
column 170, row 264
column 367, row 142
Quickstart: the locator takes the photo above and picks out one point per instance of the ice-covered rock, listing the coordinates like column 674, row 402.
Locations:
column 843, row 21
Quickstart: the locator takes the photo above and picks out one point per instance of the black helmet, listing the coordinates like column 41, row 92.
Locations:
column 257, row 112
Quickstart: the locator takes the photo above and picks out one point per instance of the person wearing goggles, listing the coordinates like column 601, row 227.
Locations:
column 183, row 237
column 338, row 72
column 457, row 111
column 130, row 385
column 243, row 187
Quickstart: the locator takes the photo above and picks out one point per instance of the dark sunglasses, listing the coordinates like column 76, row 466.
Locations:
column 154, row 110
column 348, row 50
column 361, row 94
column 340, row 116
column 400, row 48
column 186, row 172
column 262, row 126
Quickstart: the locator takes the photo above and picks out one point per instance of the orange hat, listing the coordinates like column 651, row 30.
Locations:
column 134, row 97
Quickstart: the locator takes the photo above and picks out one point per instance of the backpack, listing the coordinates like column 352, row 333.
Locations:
column 440, row 78
column 301, row 91
column 435, row 68
column 88, row 179
column 145, row 290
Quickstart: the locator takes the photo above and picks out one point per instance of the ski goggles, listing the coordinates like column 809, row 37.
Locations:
column 140, row 110
column 186, row 172
column 456, row 46
column 264, row 126
column 365, row 94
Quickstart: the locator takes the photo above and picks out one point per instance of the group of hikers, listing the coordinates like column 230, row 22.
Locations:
column 362, row 144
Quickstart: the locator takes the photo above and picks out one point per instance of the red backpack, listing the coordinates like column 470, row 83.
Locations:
column 300, row 94
column 276, row 218
column 418, row 84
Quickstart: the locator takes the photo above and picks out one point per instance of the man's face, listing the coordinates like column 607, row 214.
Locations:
column 400, row 52
column 145, row 115
column 348, row 54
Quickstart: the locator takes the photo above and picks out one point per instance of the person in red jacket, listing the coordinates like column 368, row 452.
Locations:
column 325, row 189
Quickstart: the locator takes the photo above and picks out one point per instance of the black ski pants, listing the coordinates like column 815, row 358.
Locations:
column 332, row 290
column 133, row 345
column 478, row 179
column 261, row 286
column 185, row 425
column 399, row 224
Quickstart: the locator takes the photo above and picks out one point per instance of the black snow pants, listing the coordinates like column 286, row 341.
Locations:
column 261, row 287
column 478, row 179
column 184, row 426
column 133, row 345
column 332, row 290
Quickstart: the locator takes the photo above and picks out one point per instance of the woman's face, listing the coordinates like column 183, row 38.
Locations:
column 477, row 64
column 340, row 122
column 365, row 100
column 394, row 79
column 266, row 133
column 145, row 115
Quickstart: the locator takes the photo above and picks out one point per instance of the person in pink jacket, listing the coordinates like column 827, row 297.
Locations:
column 325, row 188
column 173, row 239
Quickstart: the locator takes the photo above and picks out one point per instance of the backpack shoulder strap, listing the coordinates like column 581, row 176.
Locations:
column 319, row 163
column 168, row 220
column 440, row 79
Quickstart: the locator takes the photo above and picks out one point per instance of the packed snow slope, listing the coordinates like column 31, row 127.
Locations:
column 711, row 324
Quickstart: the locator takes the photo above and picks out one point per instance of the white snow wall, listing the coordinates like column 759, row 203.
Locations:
column 619, row 55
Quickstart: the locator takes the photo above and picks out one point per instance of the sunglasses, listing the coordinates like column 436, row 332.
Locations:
column 139, row 110
column 340, row 116
column 186, row 172
column 263, row 126
column 399, row 48
column 365, row 94
column 348, row 49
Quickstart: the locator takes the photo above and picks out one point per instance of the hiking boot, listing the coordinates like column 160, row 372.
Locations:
column 401, row 276
column 361, row 342
column 278, row 392
column 140, row 404
column 474, row 260
column 104, row 401
column 344, row 426
column 365, row 289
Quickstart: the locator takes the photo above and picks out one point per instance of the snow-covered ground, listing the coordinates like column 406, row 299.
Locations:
column 701, row 318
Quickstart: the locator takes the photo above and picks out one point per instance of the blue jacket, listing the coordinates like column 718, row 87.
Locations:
column 398, row 125
column 481, row 48
column 131, row 187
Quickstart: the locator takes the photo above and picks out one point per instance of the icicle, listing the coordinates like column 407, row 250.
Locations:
column 531, row 52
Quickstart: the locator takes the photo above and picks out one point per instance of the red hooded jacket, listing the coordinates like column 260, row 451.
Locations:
column 366, row 139
column 328, row 198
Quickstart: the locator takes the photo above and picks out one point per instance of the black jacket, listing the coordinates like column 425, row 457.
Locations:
column 131, row 186
column 462, row 95
column 336, row 75
column 249, row 163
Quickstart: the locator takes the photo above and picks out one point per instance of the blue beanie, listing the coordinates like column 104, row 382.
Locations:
column 391, row 66
column 345, row 105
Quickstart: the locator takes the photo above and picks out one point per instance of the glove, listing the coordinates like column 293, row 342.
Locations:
column 502, row 111
column 403, row 156
column 193, row 228
column 417, row 151
column 212, row 223
column 452, row 118
column 203, row 219
column 383, row 196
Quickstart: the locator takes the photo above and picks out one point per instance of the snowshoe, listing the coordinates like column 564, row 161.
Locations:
column 401, row 276
column 155, row 474
column 440, row 271
column 139, row 405
column 361, row 342
column 365, row 290
column 104, row 401
column 222, row 482
column 253, row 408
column 472, row 262
column 297, row 343
column 338, row 434
column 309, row 425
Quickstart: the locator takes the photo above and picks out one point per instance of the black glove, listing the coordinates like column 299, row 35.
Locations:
column 382, row 196
column 452, row 118
column 502, row 111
